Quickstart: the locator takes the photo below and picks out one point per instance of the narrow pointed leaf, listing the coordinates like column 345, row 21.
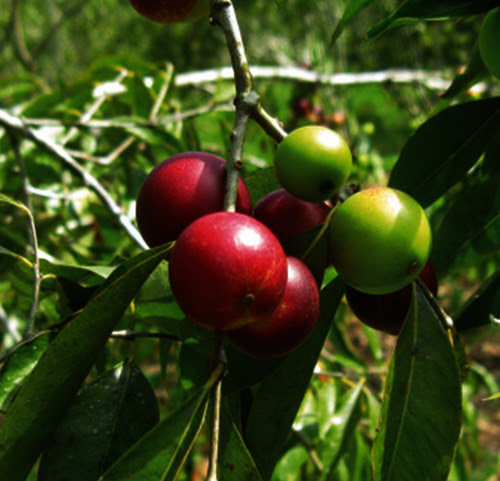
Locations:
column 55, row 380
column 481, row 305
column 337, row 436
column 444, row 149
column 161, row 453
column 352, row 8
column 19, row 364
column 469, row 216
column 474, row 72
column 432, row 9
column 235, row 461
column 421, row 409
column 279, row 396
column 107, row 417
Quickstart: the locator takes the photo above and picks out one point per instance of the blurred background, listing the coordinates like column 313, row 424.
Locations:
column 136, row 92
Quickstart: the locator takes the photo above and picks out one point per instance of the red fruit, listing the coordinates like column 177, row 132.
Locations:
column 171, row 11
column 293, row 221
column 387, row 312
column 289, row 324
column 180, row 190
column 226, row 270
column 287, row 215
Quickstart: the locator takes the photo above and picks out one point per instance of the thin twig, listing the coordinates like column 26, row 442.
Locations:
column 61, row 154
column 129, row 335
column 32, row 234
column 94, row 107
column 216, row 395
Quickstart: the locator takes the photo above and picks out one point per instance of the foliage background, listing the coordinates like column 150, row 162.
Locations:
column 54, row 54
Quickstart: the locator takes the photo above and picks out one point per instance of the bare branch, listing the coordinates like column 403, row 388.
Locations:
column 434, row 80
column 60, row 153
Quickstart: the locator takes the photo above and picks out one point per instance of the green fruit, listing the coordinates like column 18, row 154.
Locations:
column 313, row 163
column 489, row 41
column 380, row 240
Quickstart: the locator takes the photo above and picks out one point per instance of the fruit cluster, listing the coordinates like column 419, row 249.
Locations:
column 244, row 272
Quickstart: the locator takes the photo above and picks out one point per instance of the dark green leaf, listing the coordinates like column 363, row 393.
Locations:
column 193, row 361
column 161, row 453
column 472, row 212
column 19, row 364
column 432, row 9
column 474, row 72
column 235, row 462
column 280, row 394
column 421, row 409
column 444, row 149
column 244, row 370
column 105, row 419
column 37, row 409
column 481, row 306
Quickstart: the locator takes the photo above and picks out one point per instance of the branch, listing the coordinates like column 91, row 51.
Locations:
column 60, row 153
column 434, row 80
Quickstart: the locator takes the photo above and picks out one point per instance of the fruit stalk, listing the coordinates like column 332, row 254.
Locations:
column 224, row 15
column 216, row 393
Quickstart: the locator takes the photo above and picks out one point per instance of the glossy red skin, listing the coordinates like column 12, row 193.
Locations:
column 180, row 190
column 289, row 324
column 387, row 312
column 170, row 11
column 287, row 215
column 226, row 270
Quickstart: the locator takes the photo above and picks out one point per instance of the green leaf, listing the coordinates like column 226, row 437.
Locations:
column 334, row 443
column 14, row 255
column 161, row 453
column 4, row 199
column 244, row 370
column 352, row 8
column 283, row 390
column 86, row 276
column 481, row 305
column 421, row 409
column 235, row 462
column 139, row 96
column 261, row 183
column 19, row 364
column 153, row 135
column 474, row 72
column 106, row 418
column 470, row 213
column 431, row 10
column 47, row 392
column 193, row 363
column 444, row 149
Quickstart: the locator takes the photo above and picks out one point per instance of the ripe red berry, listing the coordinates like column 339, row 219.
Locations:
column 289, row 324
column 387, row 312
column 171, row 11
column 287, row 215
column 226, row 270
column 180, row 190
